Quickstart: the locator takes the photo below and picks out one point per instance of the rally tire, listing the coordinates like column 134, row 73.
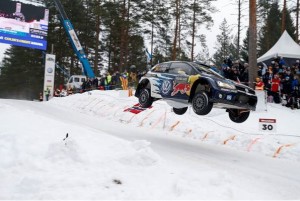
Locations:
column 145, row 98
column 238, row 117
column 179, row 111
column 201, row 104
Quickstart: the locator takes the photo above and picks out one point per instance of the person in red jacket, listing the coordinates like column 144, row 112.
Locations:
column 275, row 83
column 275, row 88
column 259, row 85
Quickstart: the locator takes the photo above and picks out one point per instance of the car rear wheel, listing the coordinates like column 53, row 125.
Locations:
column 201, row 104
column 238, row 116
column 180, row 111
column 145, row 98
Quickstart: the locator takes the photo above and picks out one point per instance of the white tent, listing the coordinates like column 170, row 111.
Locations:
column 285, row 47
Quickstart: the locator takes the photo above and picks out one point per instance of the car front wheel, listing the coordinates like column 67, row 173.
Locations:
column 180, row 111
column 238, row 116
column 145, row 98
column 201, row 104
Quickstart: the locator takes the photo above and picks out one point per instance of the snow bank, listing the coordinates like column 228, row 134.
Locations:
column 214, row 128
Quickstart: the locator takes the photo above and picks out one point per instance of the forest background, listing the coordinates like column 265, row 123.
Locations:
column 116, row 33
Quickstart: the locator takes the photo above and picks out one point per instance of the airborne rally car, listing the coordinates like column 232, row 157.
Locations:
column 182, row 83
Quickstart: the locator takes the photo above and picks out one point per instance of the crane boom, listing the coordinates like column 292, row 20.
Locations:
column 74, row 40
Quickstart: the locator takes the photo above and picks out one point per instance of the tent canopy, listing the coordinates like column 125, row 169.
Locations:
column 285, row 47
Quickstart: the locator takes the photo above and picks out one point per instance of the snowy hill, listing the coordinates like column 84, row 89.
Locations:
column 115, row 154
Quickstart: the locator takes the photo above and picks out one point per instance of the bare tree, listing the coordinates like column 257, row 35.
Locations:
column 176, row 31
column 252, row 42
column 297, row 21
column 283, row 22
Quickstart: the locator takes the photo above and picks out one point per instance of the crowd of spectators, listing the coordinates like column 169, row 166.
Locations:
column 107, row 81
column 235, row 70
column 278, row 79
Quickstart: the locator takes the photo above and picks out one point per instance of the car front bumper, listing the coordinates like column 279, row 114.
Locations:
column 236, row 100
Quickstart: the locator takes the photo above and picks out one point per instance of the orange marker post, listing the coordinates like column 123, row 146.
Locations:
column 280, row 148
column 172, row 127
column 230, row 138
column 252, row 143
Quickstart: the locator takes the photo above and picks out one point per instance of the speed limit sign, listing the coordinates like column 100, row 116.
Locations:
column 267, row 125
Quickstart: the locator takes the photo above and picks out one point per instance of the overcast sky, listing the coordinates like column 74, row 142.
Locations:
column 226, row 9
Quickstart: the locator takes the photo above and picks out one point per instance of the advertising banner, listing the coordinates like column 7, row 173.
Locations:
column 23, row 24
column 49, row 77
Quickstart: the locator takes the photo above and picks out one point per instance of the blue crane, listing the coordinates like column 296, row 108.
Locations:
column 74, row 40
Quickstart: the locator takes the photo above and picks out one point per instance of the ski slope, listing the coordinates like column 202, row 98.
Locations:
column 112, row 154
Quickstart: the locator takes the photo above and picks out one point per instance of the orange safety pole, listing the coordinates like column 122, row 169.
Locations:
column 206, row 135
column 252, row 143
column 280, row 148
column 172, row 127
column 160, row 118
column 188, row 132
column 230, row 138
column 146, row 117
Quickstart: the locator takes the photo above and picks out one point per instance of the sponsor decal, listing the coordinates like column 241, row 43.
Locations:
column 50, row 59
column 166, row 87
column 180, row 87
column 49, row 70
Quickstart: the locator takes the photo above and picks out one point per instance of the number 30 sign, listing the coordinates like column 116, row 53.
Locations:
column 267, row 125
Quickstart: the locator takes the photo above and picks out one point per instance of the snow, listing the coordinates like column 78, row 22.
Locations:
column 156, row 154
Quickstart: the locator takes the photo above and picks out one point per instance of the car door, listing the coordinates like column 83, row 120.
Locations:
column 177, row 87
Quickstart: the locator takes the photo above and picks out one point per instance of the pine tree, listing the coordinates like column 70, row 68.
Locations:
column 224, row 42
column 22, row 73
column 200, row 15
column 271, row 31
column 245, row 48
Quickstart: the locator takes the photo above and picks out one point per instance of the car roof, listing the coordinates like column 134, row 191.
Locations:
column 197, row 62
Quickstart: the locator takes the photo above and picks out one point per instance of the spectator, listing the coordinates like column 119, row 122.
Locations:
column 268, row 76
column 107, row 81
column 57, row 93
column 41, row 96
column 234, row 75
column 259, row 85
column 275, row 87
column 47, row 93
column 244, row 75
column 95, row 83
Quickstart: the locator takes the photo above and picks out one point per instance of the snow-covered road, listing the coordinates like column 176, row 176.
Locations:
column 213, row 172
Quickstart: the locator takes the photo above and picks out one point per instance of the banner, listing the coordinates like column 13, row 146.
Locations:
column 49, row 77
column 23, row 24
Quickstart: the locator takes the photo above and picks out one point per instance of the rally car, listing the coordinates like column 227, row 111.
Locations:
column 182, row 83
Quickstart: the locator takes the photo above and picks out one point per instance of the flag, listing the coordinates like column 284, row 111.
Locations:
column 149, row 56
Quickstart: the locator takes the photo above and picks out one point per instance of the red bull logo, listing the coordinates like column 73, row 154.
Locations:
column 180, row 87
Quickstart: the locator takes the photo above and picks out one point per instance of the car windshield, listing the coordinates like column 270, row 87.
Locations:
column 206, row 69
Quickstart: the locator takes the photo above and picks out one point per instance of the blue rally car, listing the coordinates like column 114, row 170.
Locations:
column 182, row 83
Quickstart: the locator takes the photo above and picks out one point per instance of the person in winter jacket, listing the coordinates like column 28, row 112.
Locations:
column 275, row 87
column 259, row 85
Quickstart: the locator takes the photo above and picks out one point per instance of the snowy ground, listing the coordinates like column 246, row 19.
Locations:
column 112, row 154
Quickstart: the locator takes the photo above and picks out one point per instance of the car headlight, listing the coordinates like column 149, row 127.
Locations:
column 225, row 85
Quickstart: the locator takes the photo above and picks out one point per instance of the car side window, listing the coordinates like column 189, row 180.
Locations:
column 161, row 68
column 181, row 68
